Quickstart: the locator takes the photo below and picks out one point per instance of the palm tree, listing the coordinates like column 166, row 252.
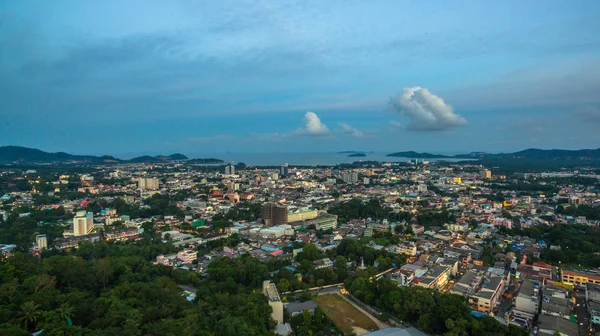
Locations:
column 65, row 311
column 30, row 312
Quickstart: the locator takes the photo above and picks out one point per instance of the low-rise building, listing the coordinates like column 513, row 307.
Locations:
column 579, row 278
column 270, row 291
column 187, row 256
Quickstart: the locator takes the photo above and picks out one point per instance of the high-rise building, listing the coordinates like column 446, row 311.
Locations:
column 146, row 183
column 41, row 241
column 83, row 223
column 274, row 214
column 350, row 177
column 230, row 169
column 283, row 170
column 485, row 174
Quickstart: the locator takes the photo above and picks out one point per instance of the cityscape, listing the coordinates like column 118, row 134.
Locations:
column 515, row 252
column 300, row 168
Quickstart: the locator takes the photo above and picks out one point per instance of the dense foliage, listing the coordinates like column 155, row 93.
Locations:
column 317, row 324
column 578, row 243
column 355, row 209
column 433, row 312
column 107, row 289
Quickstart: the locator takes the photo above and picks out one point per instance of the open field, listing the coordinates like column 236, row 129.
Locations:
column 344, row 315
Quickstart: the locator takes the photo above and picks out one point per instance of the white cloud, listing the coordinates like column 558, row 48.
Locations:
column 345, row 128
column 426, row 111
column 313, row 126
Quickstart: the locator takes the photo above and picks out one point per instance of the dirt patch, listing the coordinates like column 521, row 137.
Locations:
column 344, row 315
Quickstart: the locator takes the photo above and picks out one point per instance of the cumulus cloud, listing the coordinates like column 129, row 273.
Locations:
column 345, row 128
column 426, row 111
column 313, row 126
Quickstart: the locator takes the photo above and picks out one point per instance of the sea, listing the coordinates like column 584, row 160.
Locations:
column 302, row 159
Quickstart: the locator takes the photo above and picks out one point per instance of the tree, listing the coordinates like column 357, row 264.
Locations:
column 341, row 268
column 64, row 311
column 310, row 252
column 30, row 312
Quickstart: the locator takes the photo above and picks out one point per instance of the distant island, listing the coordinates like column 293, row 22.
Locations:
column 357, row 155
column 415, row 155
column 24, row 155
column 530, row 154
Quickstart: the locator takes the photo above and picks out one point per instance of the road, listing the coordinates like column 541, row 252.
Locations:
column 581, row 311
column 380, row 324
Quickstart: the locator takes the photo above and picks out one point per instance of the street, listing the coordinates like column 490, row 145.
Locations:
column 581, row 311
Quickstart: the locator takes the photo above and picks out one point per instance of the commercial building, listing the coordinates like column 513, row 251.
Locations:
column 274, row 214
column 350, row 177
column 485, row 174
column 229, row 169
column 302, row 214
column 83, row 223
column 579, row 278
column 41, row 241
column 324, row 221
column 270, row 291
column 283, row 170
column 145, row 183
column 592, row 296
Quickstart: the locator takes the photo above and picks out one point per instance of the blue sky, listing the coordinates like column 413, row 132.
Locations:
column 298, row 76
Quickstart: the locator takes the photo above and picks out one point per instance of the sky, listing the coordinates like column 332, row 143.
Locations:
column 443, row 76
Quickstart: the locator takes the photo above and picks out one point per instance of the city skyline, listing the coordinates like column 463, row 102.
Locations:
column 152, row 77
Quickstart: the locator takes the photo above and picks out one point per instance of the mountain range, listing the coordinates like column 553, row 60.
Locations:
column 10, row 154
column 531, row 154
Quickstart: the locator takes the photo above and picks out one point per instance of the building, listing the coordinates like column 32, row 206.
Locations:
column 485, row 174
column 324, row 221
column 323, row 263
column 527, row 303
column 274, row 214
column 41, row 241
column 302, row 214
column 484, row 300
column 579, row 278
column 300, row 307
column 229, row 169
column 145, row 183
column 458, row 227
column 592, row 297
column 350, row 177
column 270, row 291
column 187, row 256
column 283, row 170
column 409, row 249
column 422, row 188
column 83, row 223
